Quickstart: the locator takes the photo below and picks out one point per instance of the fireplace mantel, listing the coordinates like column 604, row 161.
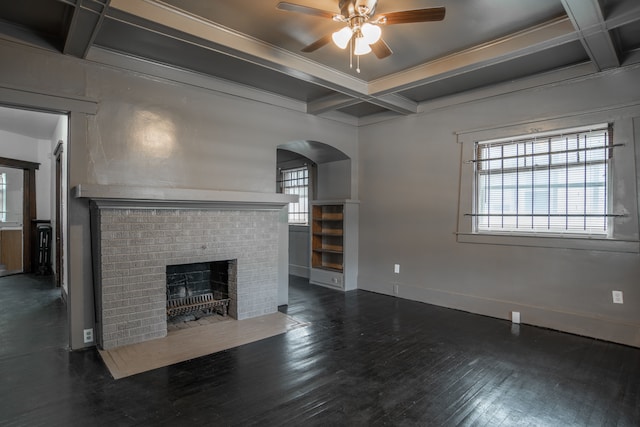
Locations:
column 120, row 196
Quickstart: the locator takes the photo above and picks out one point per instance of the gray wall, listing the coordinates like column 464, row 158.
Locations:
column 299, row 250
column 333, row 180
column 152, row 132
column 410, row 181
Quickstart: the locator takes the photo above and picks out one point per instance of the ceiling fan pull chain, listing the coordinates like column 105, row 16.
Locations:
column 351, row 52
column 358, row 66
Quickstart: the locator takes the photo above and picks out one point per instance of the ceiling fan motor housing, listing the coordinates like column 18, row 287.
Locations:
column 351, row 8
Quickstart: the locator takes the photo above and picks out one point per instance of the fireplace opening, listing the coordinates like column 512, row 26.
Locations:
column 202, row 292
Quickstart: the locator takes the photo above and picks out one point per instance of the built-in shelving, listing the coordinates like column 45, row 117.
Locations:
column 327, row 243
column 330, row 237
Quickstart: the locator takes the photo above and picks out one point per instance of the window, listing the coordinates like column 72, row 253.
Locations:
column 3, row 197
column 544, row 183
column 296, row 181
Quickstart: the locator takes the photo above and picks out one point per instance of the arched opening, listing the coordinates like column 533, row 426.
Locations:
column 329, row 178
column 333, row 174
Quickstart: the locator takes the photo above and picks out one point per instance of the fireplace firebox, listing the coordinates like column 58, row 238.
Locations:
column 200, row 289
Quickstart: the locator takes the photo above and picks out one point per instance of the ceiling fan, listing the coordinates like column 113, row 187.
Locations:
column 362, row 32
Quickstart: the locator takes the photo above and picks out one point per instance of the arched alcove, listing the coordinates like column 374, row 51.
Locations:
column 318, row 152
column 331, row 180
column 333, row 174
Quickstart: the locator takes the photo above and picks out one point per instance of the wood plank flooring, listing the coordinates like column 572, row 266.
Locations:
column 364, row 359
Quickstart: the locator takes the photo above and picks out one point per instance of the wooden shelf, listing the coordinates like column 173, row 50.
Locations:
column 329, row 251
column 337, row 267
column 331, row 216
column 329, row 247
column 331, row 232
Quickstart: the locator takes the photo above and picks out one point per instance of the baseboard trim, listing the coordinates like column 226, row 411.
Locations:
column 299, row 270
column 584, row 324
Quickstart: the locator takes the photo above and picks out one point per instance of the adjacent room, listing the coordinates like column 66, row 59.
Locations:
column 324, row 212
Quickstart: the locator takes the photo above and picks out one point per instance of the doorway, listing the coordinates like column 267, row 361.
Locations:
column 27, row 141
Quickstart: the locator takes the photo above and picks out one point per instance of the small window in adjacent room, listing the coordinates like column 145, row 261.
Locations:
column 555, row 182
column 296, row 181
column 3, row 197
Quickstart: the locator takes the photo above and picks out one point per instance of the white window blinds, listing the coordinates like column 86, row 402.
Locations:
column 553, row 183
column 296, row 181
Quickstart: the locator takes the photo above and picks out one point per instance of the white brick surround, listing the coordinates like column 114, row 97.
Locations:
column 136, row 245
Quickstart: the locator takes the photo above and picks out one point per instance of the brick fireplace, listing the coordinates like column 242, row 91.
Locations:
column 134, row 240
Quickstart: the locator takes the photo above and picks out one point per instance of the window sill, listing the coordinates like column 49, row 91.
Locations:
column 298, row 227
column 553, row 241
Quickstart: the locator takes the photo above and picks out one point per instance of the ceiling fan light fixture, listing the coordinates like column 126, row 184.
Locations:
column 371, row 33
column 362, row 47
column 341, row 38
column 362, row 32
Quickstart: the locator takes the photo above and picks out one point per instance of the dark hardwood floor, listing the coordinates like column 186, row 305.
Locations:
column 365, row 359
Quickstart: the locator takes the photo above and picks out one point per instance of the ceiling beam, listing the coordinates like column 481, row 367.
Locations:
column 620, row 17
column 588, row 20
column 85, row 23
column 396, row 103
column 544, row 36
column 330, row 103
column 392, row 102
column 241, row 46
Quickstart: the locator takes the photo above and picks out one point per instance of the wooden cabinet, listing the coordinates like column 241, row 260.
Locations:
column 11, row 249
column 334, row 244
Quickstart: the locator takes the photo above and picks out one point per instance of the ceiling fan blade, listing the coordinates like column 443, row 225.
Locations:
column 381, row 49
column 410, row 16
column 317, row 44
column 291, row 7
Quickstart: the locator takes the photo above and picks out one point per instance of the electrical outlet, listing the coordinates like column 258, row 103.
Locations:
column 396, row 268
column 88, row 336
column 515, row 316
column 617, row 297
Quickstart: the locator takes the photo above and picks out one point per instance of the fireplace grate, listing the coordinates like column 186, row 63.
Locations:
column 192, row 304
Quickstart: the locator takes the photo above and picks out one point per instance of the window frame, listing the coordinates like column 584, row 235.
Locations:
column 622, row 236
column 3, row 197
column 283, row 187
column 524, row 168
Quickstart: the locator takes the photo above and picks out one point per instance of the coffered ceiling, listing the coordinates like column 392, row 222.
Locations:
column 253, row 45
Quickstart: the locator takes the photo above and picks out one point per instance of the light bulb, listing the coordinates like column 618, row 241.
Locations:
column 362, row 47
column 341, row 38
column 371, row 33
